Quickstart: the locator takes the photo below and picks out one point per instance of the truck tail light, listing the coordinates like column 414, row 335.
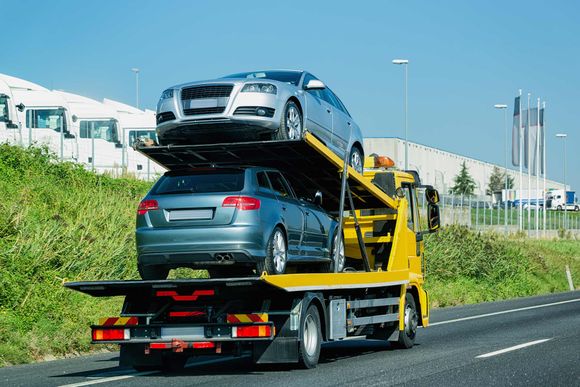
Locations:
column 147, row 205
column 110, row 334
column 252, row 331
column 242, row 202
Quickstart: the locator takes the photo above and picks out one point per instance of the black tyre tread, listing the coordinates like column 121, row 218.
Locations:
column 406, row 342
column 153, row 272
column 305, row 360
column 267, row 265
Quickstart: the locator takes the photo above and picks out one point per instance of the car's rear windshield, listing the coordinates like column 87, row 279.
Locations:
column 292, row 77
column 200, row 182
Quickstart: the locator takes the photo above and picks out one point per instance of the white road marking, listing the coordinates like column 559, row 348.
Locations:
column 134, row 374
column 503, row 312
column 514, row 348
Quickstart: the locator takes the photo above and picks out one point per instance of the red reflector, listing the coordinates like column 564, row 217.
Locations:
column 252, row 331
column 147, row 205
column 186, row 314
column 178, row 297
column 103, row 334
column 160, row 345
column 203, row 344
column 242, row 202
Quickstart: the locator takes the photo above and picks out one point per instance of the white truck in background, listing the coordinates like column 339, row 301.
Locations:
column 559, row 200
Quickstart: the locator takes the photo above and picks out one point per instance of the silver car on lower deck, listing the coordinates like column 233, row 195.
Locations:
column 260, row 105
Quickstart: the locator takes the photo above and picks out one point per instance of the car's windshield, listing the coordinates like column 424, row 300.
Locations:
column 205, row 182
column 292, row 77
column 103, row 129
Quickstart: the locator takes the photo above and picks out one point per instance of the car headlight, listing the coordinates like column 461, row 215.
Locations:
column 260, row 88
column 167, row 94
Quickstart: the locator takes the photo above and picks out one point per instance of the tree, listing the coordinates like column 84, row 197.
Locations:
column 464, row 183
column 497, row 181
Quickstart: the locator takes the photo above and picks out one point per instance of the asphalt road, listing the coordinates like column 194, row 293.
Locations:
column 528, row 341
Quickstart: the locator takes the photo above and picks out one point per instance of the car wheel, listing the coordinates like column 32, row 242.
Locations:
column 276, row 254
column 407, row 336
column 310, row 338
column 291, row 123
column 576, row 208
column 341, row 258
column 559, row 208
column 356, row 159
column 153, row 272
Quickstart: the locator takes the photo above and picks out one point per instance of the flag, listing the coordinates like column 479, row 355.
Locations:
column 516, row 134
column 532, row 140
column 542, row 140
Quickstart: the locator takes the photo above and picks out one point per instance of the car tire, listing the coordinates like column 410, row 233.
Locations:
column 291, row 125
column 407, row 336
column 276, row 254
column 310, row 338
column 356, row 159
column 576, row 208
column 153, row 272
column 329, row 268
column 559, row 208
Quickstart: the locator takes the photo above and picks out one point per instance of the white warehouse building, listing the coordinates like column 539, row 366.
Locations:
column 439, row 168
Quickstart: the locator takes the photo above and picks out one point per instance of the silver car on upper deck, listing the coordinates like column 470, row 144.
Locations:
column 258, row 105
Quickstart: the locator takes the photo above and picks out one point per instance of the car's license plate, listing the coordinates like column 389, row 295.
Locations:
column 203, row 103
column 203, row 214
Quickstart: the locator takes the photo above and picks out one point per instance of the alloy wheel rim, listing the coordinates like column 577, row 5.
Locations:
column 355, row 161
column 310, row 336
column 279, row 252
column 341, row 259
column 293, row 123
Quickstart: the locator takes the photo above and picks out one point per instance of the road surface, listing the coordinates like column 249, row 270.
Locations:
column 528, row 341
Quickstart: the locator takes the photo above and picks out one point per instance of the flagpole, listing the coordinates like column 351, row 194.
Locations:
column 521, row 185
column 537, row 168
column 529, row 166
column 544, row 161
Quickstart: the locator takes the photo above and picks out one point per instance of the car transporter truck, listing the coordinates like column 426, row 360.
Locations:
column 285, row 318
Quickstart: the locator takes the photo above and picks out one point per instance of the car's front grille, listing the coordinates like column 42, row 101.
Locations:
column 197, row 111
column 166, row 116
column 253, row 111
column 202, row 92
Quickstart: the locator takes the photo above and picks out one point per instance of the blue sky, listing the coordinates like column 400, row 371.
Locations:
column 465, row 56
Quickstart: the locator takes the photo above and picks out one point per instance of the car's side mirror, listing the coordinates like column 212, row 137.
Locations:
column 69, row 135
column 118, row 145
column 433, row 219
column 432, row 195
column 11, row 125
column 318, row 198
column 315, row 84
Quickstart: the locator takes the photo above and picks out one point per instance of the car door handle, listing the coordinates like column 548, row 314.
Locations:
column 328, row 110
column 283, row 208
column 348, row 123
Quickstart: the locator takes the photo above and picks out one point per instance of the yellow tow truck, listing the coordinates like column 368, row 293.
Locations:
column 285, row 318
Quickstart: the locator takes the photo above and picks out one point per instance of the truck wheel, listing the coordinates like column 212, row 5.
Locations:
column 310, row 338
column 291, row 123
column 276, row 254
column 153, row 272
column 341, row 258
column 407, row 336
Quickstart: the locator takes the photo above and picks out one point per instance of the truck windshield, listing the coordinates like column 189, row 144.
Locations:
column 201, row 182
column 141, row 134
column 4, row 108
column 46, row 119
column 100, row 129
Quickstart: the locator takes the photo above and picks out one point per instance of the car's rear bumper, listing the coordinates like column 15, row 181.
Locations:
column 200, row 247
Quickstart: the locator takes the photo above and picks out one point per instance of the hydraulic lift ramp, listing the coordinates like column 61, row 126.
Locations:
column 308, row 163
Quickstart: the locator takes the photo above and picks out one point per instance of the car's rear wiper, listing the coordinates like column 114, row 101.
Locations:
column 191, row 190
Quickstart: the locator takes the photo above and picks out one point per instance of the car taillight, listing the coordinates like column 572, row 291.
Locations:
column 242, row 202
column 109, row 334
column 147, row 205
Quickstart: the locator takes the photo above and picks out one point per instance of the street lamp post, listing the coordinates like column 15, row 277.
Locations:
column 563, row 137
column 136, row 71
column 405, row 62
column 504, row 108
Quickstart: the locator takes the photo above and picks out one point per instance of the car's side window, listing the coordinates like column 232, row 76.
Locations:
column 328, row 97
column 263, row 180
column 279, row 185
column 411, row 215
column 340, row 104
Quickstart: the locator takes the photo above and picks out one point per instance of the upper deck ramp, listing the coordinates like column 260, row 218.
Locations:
column 308, row 163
